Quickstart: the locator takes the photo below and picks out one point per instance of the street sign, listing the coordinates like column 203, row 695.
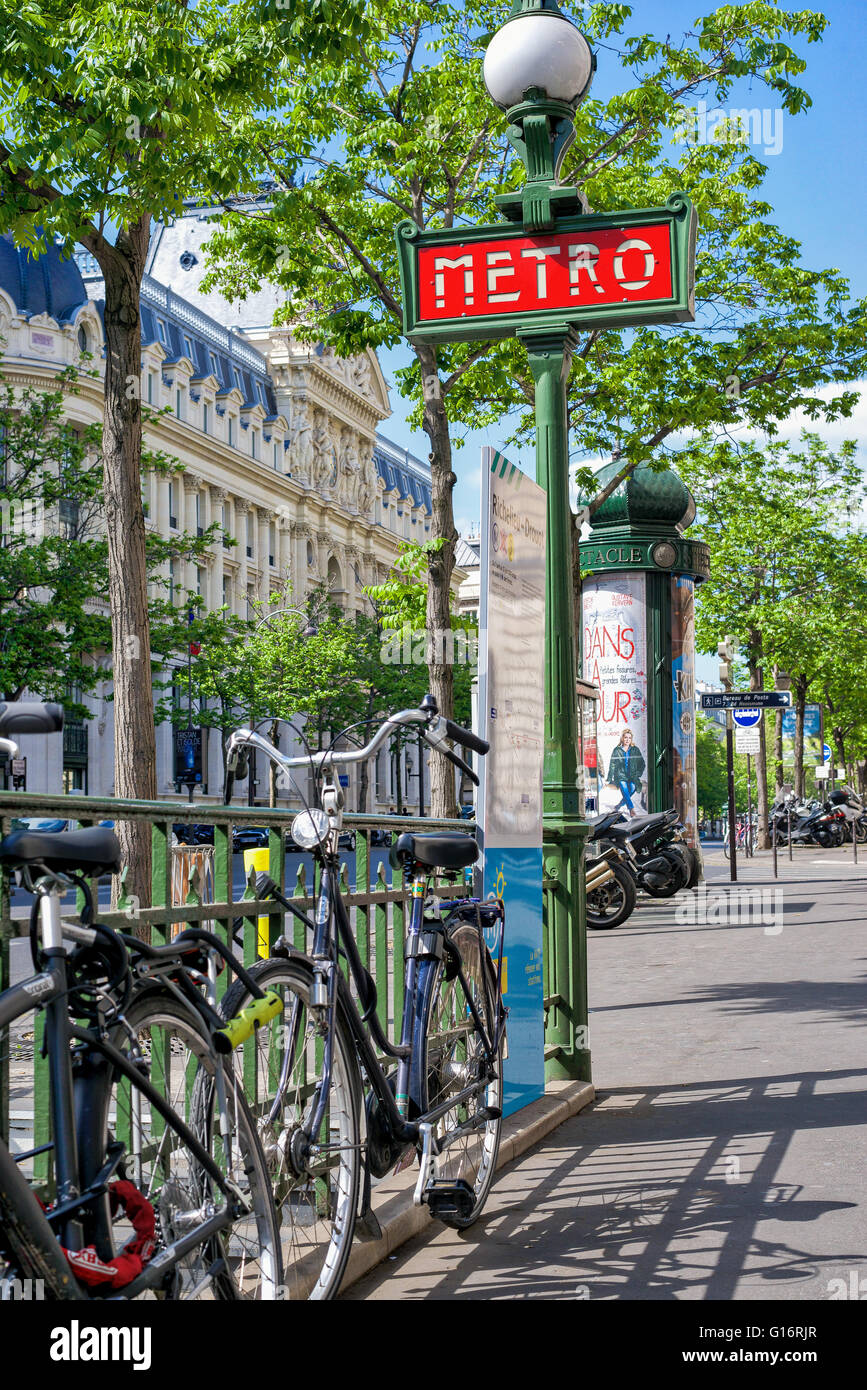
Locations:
column 746, row 699
column 826, row 752
column 746, row 718
column 18, row 769
column 608, row 270
column 748, row 740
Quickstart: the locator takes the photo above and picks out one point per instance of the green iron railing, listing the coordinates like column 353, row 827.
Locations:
column 377, row 913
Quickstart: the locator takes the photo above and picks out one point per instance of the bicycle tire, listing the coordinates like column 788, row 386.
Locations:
column 618, row 895
column 452, row 1053
column 28, row 1246
column 243, row 1260
column 317, row 1224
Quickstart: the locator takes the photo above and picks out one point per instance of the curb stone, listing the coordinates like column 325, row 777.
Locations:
column 392, row 1198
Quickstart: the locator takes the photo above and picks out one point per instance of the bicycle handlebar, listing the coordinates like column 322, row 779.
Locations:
column 435, row 733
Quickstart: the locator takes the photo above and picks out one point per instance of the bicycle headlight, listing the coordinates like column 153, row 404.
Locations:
column 309, row 828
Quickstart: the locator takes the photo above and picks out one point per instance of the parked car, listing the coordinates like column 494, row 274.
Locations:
column 188, row 833
column 249, row 837
column 381, row 839
column 52, row 824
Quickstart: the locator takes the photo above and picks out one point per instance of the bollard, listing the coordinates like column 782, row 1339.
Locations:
column 258, row 859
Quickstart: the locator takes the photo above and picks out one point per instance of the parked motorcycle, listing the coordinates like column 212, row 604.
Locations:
column 611, row 889
column 850, row 814
column 653, row 847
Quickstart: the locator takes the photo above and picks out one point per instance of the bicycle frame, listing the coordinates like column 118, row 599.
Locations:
column 405, row 1110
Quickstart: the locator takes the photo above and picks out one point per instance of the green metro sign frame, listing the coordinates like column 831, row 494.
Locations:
column 482, row 257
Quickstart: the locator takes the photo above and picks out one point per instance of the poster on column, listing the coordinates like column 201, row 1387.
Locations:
column 614, row 657
column 511, row 718
column 683, row 703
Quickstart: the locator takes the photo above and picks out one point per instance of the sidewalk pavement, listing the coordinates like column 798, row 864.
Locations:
column 724, row 1157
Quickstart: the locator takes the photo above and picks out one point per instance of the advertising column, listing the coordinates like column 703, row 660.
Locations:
column 511, row 718
column 615, row 660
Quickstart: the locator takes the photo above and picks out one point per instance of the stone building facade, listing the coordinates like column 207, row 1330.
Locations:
column 278, row 443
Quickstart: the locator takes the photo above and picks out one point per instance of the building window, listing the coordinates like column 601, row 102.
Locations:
column 215, row 366
column 277, row 457
column 68, row 517
column 227, row 598
column 272, row 544
column 151, row 380
column 231, row 432
column 173, row 511
column 163, row 332
column 179, row 404
column 188, row 348
column 200, row 580
column 205, row 418
column 236, row 377
column 200, row 530
column 173, row 579
column 249, row 535
column 82, row 338
column 254, row 444
column 227, row 527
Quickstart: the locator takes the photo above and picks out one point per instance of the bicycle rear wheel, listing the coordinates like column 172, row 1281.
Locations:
column 455, row 1058
column 242, row 1261
column 281, row 1066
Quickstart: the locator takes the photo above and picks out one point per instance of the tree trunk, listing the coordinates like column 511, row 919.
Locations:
column 441, row 563
column 134, row 734
column 800, row 704
column 778, row 749
column 757, row 682
column 840, row 745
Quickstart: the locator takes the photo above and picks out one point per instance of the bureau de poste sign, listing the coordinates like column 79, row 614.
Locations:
column 609, row 270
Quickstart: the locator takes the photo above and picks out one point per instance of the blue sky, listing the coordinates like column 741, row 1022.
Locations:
column 816, row 184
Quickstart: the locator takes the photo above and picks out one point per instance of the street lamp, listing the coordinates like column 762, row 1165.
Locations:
column 538, row 67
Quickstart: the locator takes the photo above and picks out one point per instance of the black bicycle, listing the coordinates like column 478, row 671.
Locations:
column 436, row 1093
column 160, row 1186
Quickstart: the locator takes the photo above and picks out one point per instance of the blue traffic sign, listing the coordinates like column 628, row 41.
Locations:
column 826, row 752
column 746, row 718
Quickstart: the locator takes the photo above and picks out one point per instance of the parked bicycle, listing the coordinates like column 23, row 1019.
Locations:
column 437, row 1093
column 746, row 836
column 161, row 1188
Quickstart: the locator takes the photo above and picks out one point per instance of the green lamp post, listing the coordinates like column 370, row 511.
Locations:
column 548, row 271
column 538, row 67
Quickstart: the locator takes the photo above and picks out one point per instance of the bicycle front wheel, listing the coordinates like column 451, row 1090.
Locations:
column 242, row 1261
column 468, row 1137
column 317, row 1199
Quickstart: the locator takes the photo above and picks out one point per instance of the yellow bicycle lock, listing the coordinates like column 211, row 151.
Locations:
column 244, row 1024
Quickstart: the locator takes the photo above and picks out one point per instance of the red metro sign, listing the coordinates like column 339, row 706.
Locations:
column 611, row 271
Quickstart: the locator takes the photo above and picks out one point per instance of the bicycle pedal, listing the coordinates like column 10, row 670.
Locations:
column 448, row 1199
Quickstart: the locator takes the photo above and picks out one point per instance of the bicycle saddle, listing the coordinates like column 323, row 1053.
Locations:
column 435, row 851
column 94, row 851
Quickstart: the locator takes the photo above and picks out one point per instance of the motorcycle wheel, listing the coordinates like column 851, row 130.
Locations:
column 676, row 881
column 611, row 904
column 861, row 831
column 826, row 838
